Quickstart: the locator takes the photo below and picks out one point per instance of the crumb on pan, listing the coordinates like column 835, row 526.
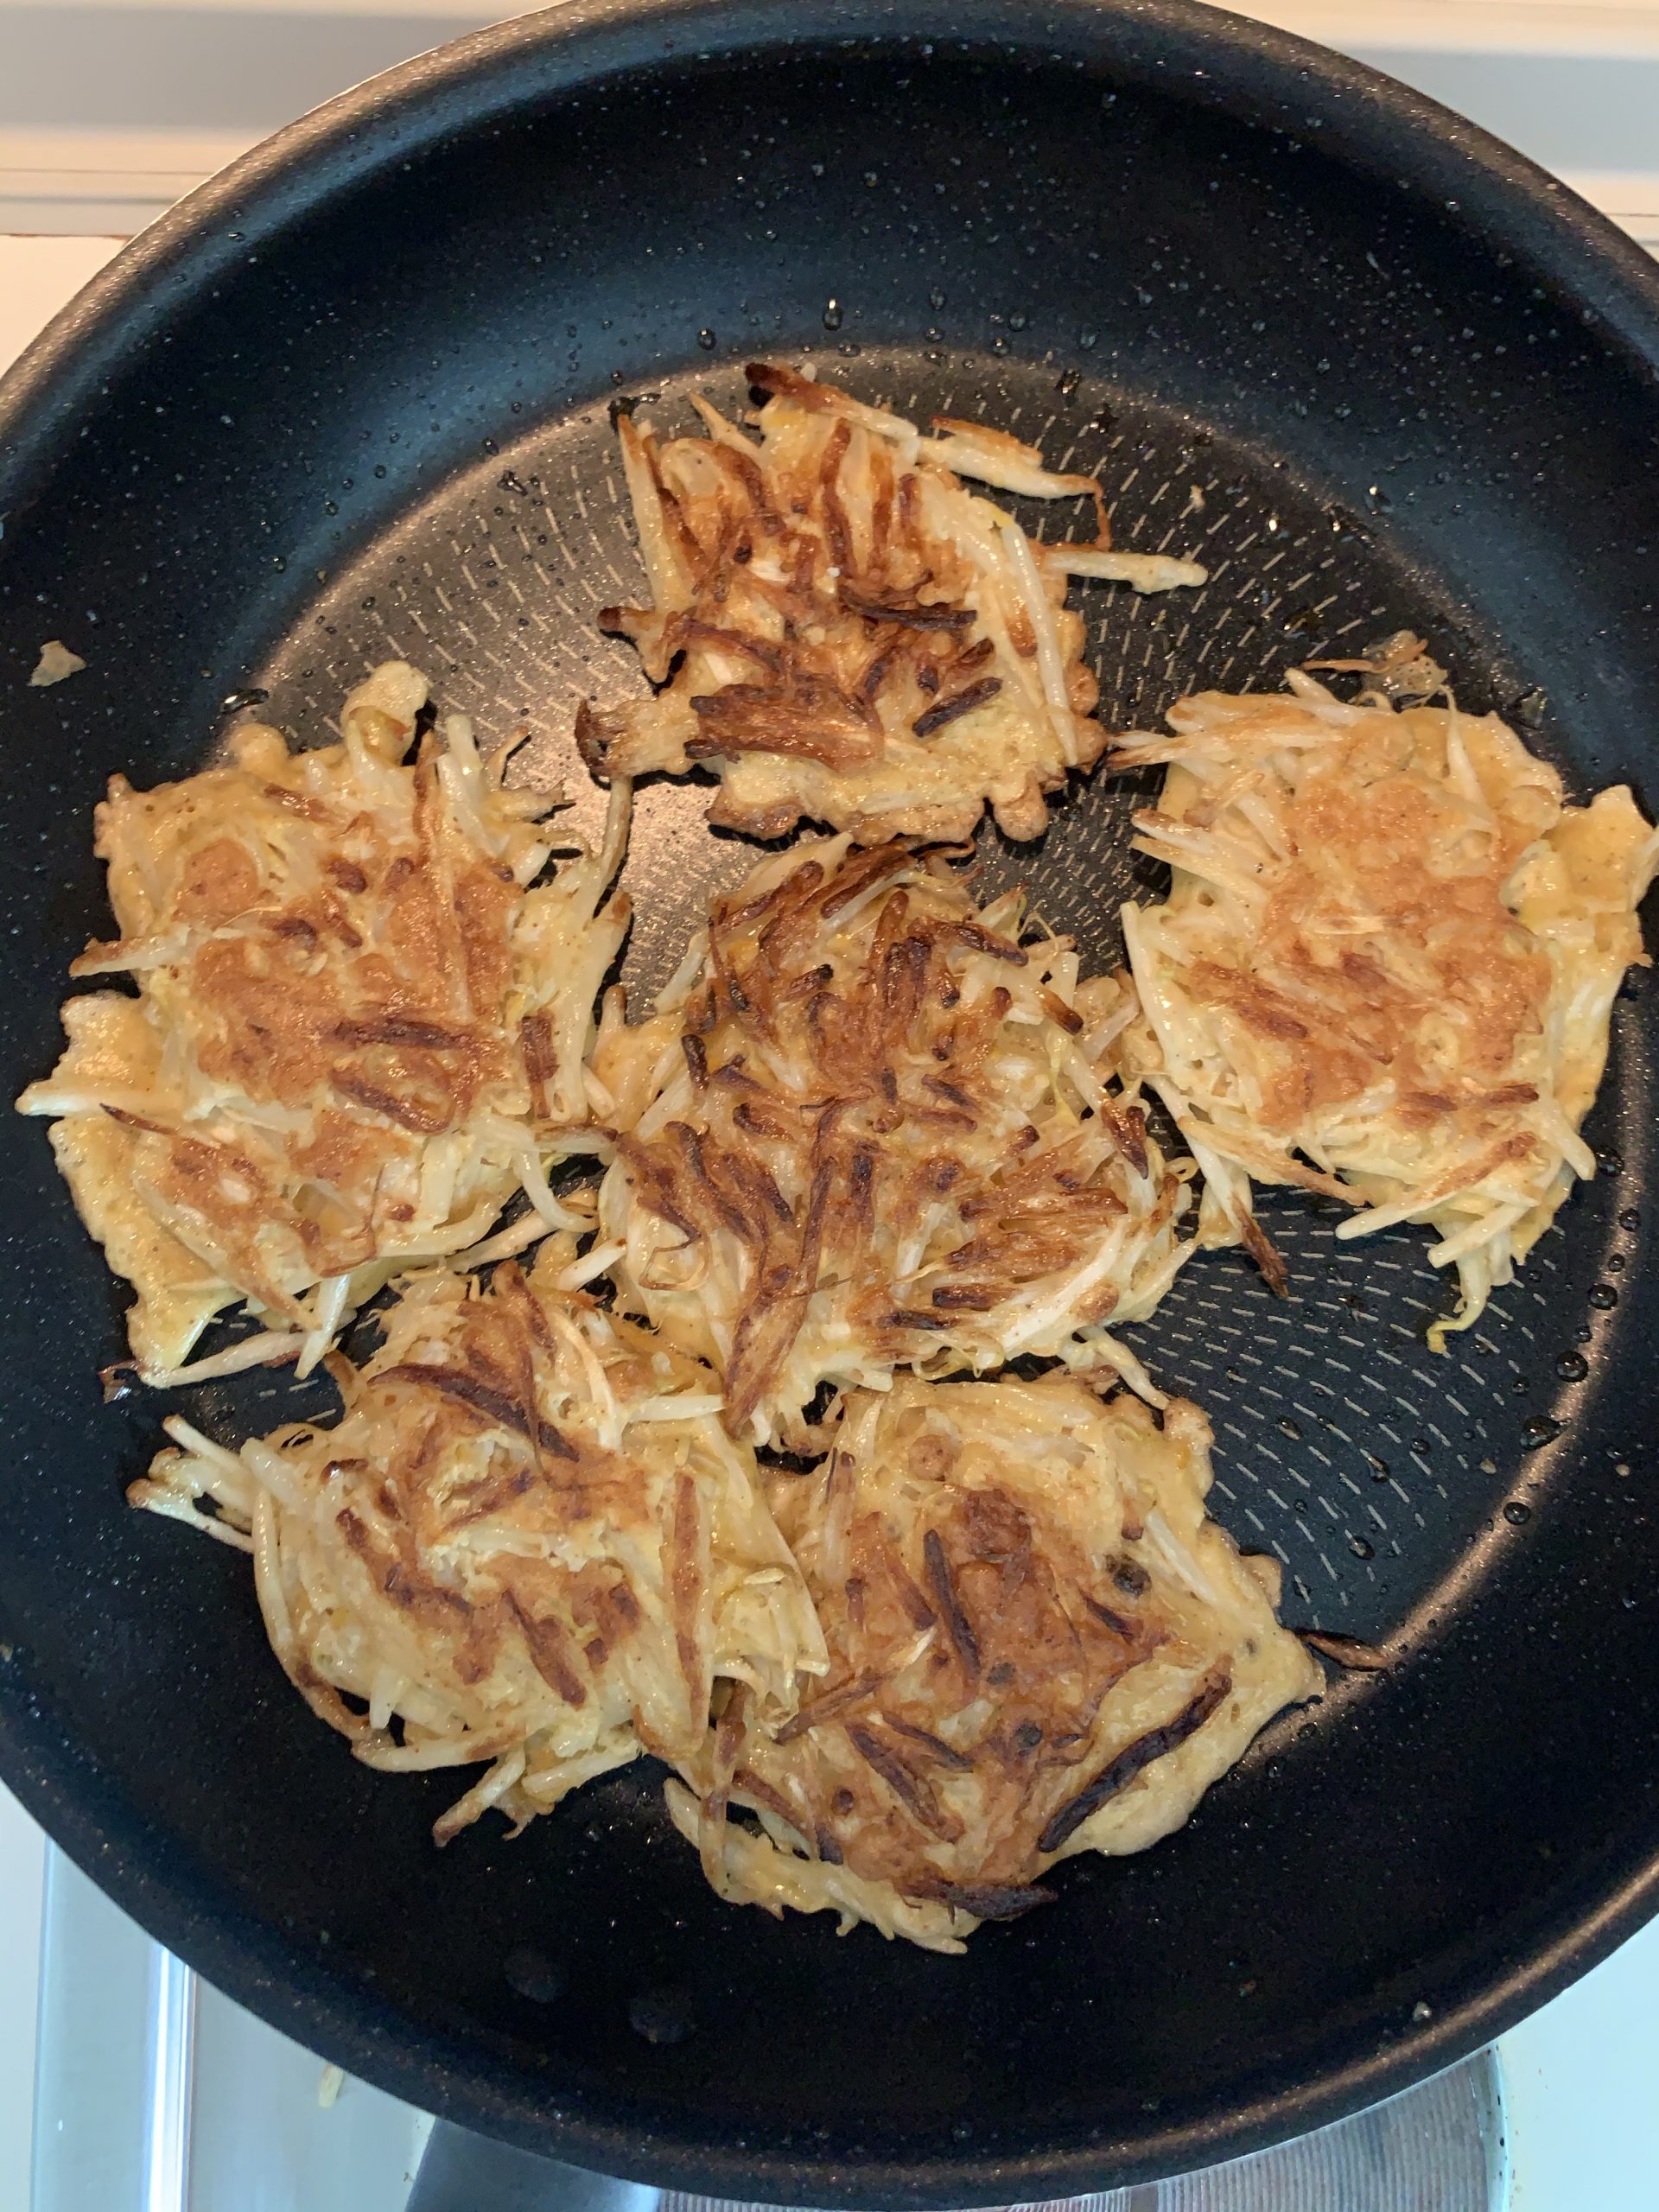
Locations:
column 56, row 662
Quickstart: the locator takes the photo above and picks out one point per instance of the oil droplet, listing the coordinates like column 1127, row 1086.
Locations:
column 490, row 446
column 511, row 481
column 1610, row 1162
column 1542, row 1429
column 1289, row 1428
column 1631, row 1219
column 1379, row 1467
column 1377, row 496
column 1616, row 1263
column 1602, row 1297
column 1517, row 1515
column 1621, row 1468
column 1421, row 1446
column 234, row 702
column 936, row 297
column 1362, row 1547
column 706, row 340
column 1088, row 339
column 1422, row 2012
column 1572, row 1367
column 1017, row 321
column 832, row 314
column 1068, row 383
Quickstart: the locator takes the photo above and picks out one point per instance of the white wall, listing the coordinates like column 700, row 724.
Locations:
column 110, row 109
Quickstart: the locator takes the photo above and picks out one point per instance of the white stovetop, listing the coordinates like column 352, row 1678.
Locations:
column 1582, row 2077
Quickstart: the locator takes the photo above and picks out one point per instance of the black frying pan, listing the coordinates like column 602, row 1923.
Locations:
column 353, row 398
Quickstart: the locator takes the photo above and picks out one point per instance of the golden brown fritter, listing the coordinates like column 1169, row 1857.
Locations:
column 1386, row 965
column 844, row 631
column 358, row 1028
column 1038, row 1645
column 880, row 1130
column 528, row 1541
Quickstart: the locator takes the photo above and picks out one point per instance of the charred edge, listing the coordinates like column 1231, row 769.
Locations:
column 549, row 1653
column 481, row 1398
column 825, row 1708
column 856, row 875
column 985, row 1900
column 398, row 1029
column 1116, row 1622
column 911, row 613
column 418, row 1120
column 1133, row 1761
column 907, row 1786
column 976, row 935
column 1346, row 1651
column 939, row 1581
column 950, row 710
column 936, row 1749
column 1266, row 1253
column 1057, row 1010
column 746, row 1782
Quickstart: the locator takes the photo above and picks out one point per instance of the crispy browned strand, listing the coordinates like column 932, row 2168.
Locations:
column 360, row 1023
column 1092, row 1654
column 1385, row 968
column 525, row 1541
column 880, row 1130
column 844, row 630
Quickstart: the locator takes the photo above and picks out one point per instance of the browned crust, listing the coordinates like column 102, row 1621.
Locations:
column 1156, row 1743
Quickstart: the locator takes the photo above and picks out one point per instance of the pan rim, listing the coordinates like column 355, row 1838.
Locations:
column 1273, row 79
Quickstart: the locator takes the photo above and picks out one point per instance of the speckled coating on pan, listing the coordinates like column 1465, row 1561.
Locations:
column 305, row 415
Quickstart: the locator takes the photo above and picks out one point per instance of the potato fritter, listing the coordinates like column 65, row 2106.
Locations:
column 1038, row 1645
column 844, row 631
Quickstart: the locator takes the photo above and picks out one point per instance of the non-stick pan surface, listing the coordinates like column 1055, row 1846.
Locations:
column 352, row 399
